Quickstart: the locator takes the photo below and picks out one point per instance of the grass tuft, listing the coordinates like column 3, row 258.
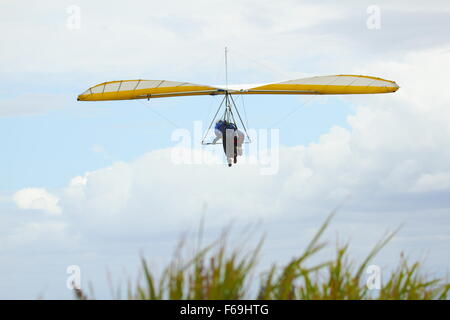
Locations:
column 217, row 272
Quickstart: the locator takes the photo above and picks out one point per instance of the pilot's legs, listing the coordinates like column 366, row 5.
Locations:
column 229, row 146
column 235, row 151
column 240, row 141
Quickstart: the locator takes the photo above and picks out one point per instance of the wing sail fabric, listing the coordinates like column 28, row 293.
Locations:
column 143, row 89
column 338, row 84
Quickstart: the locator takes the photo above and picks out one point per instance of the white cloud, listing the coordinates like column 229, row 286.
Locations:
column 175, row 38
column 394, row 148
column 279, row 42
column 432, row 182
column 157, row 34
column 37, row 199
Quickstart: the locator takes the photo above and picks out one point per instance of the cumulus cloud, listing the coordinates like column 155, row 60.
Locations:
column 37, row 199
column 392, row 151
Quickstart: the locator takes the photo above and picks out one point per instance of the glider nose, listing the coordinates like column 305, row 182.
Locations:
column 84, row 96
column 396, row 87
column 392, row 87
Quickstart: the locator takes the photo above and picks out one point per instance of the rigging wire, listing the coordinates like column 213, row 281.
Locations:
column 312, row 97
column 269, row 68
column 226, row 68
column 210, row 108
column 243, row 107
column 294, row 110
column 228, row 115
column 212, row 121
column 243, row 125
column 147, row 105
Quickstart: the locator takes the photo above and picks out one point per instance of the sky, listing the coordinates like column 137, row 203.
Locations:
column 98, row 184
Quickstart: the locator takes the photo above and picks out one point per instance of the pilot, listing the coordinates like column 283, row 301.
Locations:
column 231, row 133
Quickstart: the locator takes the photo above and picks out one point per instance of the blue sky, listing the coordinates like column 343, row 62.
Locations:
column 49, row 149
column 95, row 184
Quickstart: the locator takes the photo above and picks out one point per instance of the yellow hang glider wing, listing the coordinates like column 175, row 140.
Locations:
column 145, row 89
column 338, row 84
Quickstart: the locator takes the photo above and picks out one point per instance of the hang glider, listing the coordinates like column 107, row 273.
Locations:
column 226, row 128
column 147, row 89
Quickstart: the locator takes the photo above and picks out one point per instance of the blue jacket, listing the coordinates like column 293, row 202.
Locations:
column 220, row 125
column 223, row 125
